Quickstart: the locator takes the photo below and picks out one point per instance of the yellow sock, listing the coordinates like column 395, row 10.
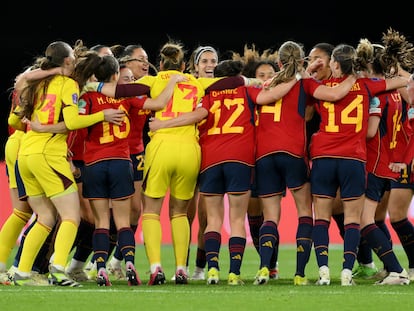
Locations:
column 180, row 231
column 10, row 232
column 151, row 229
column 63, row 242
column 32, row 244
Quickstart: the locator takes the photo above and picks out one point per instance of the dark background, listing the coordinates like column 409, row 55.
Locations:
column 28, row 28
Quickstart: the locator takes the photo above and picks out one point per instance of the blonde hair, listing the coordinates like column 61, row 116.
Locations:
column 291, row 55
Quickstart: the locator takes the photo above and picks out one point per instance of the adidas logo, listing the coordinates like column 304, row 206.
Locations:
column 130, row 253
column 100, row 259
column 324, row 253
column 268, row 244
column 377, row 250
column 300, row 249
column 215, row 258
column 237, row 257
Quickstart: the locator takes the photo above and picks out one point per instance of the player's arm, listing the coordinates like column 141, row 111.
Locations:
column 410, row 90
column 16, row 122
column 75, row 121
column 273, row 94
column 188, row 118
column 161, row 100
column 59, row 128
column 115, row 90
column 374, row 117
column 35, row 74
column 334, row 93
column 397, row 82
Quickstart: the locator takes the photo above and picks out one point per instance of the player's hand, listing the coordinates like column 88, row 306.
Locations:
column 314, row 66
column 115, row 116
column 176, row 78
column 397, row 167
column 154, row 124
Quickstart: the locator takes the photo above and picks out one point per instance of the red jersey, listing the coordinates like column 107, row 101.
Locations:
column 381, row 148
column 408, row 155
column 137, row 118
column 344, row 124
column 106, row 140
column 281, row 126
column 404, row 136
column 229, row 130
column 76, row 143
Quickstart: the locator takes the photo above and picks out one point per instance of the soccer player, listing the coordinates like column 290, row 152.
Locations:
column 227, row 139
column 50, row 184
column 283, row 163
column 108, row 176
column 263, row 67
column 338, row 152
column 389, row 134
column 22, row 212
column 134, row 64
column 164, row 156
column 201, row 64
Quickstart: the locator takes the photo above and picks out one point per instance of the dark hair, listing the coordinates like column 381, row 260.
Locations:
column 55, row 54
column 324, row 46
column 345, row 55
column 91, row 64
column 99, row 47
column 172, row 55
column 263, row 62
column 118, row 50
column 123, row 54
column 108, row 66
column 228, row 68
column 252, row 59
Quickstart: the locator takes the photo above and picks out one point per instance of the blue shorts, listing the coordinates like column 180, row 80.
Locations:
column 376, row 187
column 278, row 171
column 138, row 166
column 81, row 166
column 108, row 179
column 399, row 185
column 228, row 177
column 254, row 184
column 20, row 186
column 329, row 174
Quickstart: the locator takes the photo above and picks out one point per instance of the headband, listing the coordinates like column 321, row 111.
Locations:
column 201, row 50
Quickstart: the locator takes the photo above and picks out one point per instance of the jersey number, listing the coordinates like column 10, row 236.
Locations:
column 346, row 118
column 227, row 127
column 108, row 137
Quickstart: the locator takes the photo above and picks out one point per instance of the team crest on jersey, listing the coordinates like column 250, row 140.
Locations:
column 81, row 106
column 75, row 98
column 374, row 105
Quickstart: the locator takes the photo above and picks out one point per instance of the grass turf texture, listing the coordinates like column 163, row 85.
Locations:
column 278, row 294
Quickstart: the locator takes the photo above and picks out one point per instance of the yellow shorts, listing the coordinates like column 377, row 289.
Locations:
column 11, row 151
column 45, row 174
column 171, row 164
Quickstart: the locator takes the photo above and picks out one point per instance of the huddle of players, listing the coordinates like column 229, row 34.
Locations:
column 270, row 117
